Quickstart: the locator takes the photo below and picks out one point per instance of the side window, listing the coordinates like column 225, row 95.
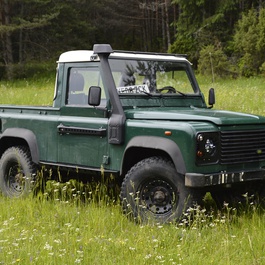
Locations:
column 79, row 82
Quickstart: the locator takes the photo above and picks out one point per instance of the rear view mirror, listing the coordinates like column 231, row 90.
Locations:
column 211, row 98
column 94, row 95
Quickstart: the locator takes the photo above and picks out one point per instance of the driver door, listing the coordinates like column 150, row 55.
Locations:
column 82, row 128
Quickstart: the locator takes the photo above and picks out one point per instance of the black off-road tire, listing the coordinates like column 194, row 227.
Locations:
column 153, row 191
column 16, row 172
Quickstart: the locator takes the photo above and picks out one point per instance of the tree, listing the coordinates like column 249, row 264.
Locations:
column 201, row 23
column 214, row 62
column 36, row 30
column 5, row 32
column 15, row 24
column 41, row 29
column 144, row 26
column 249, row 42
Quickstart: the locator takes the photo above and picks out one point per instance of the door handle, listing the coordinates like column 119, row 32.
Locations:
column 62, row 130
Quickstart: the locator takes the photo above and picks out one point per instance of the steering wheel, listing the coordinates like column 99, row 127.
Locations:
column 170, row 89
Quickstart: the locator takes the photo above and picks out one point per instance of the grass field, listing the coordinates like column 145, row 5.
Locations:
column 50, row 229
column 36, row 91
column 40, row 231
column 242, row 95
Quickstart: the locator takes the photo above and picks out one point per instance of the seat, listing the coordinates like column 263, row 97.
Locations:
column 76, row 96
column 126, row 80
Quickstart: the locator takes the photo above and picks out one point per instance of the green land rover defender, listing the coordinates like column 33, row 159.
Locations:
column 142, row 118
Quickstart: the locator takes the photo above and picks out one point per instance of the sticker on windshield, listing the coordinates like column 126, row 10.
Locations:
column 140, row 89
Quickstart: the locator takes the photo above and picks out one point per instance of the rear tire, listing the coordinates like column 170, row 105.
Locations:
column 16, row 172
column 153, row 191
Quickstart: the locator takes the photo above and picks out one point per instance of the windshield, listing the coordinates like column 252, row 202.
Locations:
column 149, row 76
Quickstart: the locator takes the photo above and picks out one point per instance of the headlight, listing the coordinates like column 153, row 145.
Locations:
column 207, row 148
column 210, row 147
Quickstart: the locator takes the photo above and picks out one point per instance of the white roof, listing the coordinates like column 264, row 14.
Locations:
column 86, row 56
column 76, row 56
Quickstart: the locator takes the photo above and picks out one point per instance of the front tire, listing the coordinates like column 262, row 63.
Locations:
column 153, row 191
column 16, row 172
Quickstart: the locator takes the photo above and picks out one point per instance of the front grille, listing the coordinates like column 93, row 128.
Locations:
column 242, row 146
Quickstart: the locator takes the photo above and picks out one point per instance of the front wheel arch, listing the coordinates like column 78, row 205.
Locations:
column 141, row 147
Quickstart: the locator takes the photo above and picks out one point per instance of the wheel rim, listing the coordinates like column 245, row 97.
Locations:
column 15, row 178
column 159, row 197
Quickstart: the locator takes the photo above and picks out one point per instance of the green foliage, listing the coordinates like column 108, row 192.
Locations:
column 247, row 65
column 213, row 61
column 262, row 69
column 39, row 30
column 184, row 45
column 202, row 23
column 249, row 42
column 261, row 32
column 34, row 69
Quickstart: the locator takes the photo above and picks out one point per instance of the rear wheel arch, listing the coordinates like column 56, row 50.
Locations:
column 20, row 136
column 141, row 147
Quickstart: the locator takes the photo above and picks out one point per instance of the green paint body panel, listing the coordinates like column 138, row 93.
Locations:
column 78, row 136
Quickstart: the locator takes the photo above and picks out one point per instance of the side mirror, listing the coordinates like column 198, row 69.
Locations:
column 94, row 95
column 211, row 98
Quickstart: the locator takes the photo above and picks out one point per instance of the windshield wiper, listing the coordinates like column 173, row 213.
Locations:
column 181, row 93
column 171, row 90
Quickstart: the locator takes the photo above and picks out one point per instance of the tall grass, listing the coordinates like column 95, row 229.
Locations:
column 245, row 95
column 73, row 224
column 37, row 91
column 42, row 231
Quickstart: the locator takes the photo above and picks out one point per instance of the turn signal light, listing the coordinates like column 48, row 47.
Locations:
column 168, row 133
column 199, row 154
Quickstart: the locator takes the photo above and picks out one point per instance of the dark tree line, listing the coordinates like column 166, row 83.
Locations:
column 35, row 31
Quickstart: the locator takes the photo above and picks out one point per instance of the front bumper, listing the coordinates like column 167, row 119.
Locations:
column 206, row 180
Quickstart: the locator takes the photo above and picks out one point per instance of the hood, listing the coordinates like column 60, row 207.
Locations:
column 217, row 117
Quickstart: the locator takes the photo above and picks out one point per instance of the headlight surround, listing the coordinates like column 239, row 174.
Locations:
column 207, row 148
